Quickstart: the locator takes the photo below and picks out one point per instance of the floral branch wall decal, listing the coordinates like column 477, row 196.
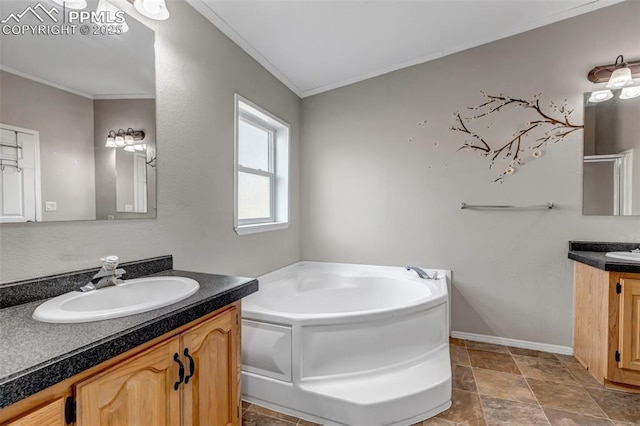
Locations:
column 547, row 127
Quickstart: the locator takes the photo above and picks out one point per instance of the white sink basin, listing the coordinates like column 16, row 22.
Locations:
column 131, row 297
column 624, row 255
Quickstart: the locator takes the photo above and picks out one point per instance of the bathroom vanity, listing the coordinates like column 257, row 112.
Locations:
column 607, row 314
column 175, row 365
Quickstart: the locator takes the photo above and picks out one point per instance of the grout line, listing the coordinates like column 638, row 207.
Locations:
column 475, row 382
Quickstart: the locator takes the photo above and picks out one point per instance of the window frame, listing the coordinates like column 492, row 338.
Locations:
column 279, row 164
column 271, row 174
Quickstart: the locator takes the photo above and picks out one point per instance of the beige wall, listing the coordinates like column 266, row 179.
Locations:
column 114, row 114
column 65, row 123
column 198, row 70
column 371, row 196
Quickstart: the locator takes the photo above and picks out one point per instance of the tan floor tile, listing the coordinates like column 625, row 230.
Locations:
column 502, row 412
column 565, row 418
column 571, row 398
column 503, row 385
column 463, row 378
column 567, row 359
column 459, row 355
column 489, row 347
column 456, row 342
column 493, row 361
column 465, row 409
column 252, row 418
column 544, row 369
column 275, row 414
column 532, row 353
column 582, row 375
column 620, row 406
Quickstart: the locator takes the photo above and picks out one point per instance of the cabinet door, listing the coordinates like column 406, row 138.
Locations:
column 51, row 414
column 630, row 324
column 211, row 394
column 139, row 391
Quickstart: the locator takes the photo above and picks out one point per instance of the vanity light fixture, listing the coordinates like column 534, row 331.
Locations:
column 72, row 4
column 153, row 9
column 617, row 75
column 124, row 138
column 630, row 92
column 600, row 96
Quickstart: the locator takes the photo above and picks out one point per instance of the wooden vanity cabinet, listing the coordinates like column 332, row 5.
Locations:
column 191, row 380
column 50, row 414
column 147, row 386
column 607, row 326
column 136, row 392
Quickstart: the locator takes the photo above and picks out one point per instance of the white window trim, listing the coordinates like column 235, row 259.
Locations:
column 280, row 130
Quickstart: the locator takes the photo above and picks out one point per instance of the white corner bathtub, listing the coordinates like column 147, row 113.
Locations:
column 343, row 344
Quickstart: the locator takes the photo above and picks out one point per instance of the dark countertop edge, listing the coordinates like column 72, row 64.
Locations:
column 599, row 246
column 26, row 383
column 597, row 260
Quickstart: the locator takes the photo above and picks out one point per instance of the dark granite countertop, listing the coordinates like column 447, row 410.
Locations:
column 594, row 254
column 36, row 355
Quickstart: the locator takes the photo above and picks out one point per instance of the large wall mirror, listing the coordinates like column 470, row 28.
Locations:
column 611, row 174
column 77, row 119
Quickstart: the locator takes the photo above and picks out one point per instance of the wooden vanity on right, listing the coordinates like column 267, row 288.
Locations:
column 606, row 339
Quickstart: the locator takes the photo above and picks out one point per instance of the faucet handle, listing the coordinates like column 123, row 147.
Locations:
column 110, row 263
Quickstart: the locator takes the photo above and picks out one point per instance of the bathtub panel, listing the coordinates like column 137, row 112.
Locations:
column 357, row 347
column 266, row 349
column 352, row 360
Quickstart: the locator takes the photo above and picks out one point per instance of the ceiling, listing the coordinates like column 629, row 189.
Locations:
column 316, row 45
column 94, row 66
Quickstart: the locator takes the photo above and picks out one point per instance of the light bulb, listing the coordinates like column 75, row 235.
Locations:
column 619, row 78
column 128, row 139
column 110, row 11
column 154, row 9
column 600, row 96
column 119, row 141
column 111, row 142
column 630, row 92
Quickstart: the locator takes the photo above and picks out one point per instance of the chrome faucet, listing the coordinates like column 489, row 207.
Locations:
column 107, row 276
column 422, row 273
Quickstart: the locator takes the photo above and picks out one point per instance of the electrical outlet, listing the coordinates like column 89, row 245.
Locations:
column 51, row 206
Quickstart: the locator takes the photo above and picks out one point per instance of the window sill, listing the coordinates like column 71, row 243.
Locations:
column 260, row 227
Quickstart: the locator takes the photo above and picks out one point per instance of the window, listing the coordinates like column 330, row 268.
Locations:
column 261, row 170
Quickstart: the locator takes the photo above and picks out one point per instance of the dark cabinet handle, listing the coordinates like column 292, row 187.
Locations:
column 176, row 358
column 192, row 366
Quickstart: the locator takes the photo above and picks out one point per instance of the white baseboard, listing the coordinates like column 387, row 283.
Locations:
column 525, row 344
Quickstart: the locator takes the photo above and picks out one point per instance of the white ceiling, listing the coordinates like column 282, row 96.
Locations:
column 316, row 45
column 94, row 66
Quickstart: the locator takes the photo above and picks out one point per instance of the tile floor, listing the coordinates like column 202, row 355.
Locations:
column 499, row 385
